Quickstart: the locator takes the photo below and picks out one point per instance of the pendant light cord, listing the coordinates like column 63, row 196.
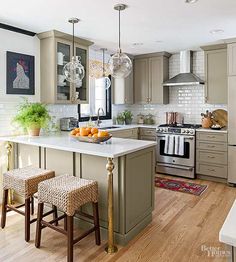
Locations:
column 103, row 61
column 73, row 43
column 119, row 30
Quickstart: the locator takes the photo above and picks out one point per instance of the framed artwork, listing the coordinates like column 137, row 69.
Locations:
column 20, row 74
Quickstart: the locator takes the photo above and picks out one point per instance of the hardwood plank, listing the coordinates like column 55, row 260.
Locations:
column 182, row 224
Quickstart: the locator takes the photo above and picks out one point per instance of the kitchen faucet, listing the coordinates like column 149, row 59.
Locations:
column 98, row 122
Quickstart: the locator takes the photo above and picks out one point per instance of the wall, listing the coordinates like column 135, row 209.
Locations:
column 18, row 43
column 189, row 100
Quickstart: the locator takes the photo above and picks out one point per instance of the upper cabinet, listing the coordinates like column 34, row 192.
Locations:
column 56, row 50
column 232, row 59
column 216, row 87
column 123, row 89
column 150, row 71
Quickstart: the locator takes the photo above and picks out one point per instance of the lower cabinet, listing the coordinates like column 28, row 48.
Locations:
column 147, row 134
column 28, row 155
column 127, row 133
column 211, row 155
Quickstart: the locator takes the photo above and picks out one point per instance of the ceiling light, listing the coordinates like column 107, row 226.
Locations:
column 120, row 64
column 190, row 1
column 217, row 31
column 74, row 70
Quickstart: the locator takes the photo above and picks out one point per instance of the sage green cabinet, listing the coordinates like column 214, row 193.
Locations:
column 56, row 50
column 150, row 71
column 231, row 50
column 123, row 90
column 216, row 74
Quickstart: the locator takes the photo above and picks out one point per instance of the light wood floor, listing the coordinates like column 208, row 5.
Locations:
column 181, row 224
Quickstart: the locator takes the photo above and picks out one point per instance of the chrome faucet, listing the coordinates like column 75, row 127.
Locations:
column 98, row 122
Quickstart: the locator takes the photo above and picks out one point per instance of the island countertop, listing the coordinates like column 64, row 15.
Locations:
column 115, row 147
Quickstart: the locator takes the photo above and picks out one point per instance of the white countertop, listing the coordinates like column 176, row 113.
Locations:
column 115, row 147
column 227, row 233
column 223, row 130
column 127, row 127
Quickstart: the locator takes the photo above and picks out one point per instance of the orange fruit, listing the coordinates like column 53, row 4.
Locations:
column 73, row 132
column 89, row 129
column 95, row 135
column 77, row 134
column 90, row 135
column 77, row 129
column 94, row 130
column 103, row 133
column 84, row 131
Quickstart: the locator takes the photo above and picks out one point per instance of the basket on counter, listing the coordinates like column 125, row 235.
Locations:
column 95, row 140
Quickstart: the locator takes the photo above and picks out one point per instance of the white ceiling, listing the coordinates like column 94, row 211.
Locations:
column 178, row 25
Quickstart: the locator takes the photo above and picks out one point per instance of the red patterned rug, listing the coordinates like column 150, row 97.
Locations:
column 180, row 186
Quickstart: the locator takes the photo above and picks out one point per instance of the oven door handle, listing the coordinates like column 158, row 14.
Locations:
column 185, row 137
column 176, row 166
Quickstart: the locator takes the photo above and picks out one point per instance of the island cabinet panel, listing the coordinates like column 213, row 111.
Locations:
column 127, row 133
column 138, row 187
column 28, row 155
column 94, row 168
column 62, row 162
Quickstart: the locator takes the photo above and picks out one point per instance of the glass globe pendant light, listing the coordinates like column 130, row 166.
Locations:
column 120, row 64
column 74, row 70
column 105, row 80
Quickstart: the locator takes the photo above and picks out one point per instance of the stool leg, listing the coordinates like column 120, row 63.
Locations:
column 70, row 238
column 55, row 216
column 39, row 225
column 27, row 219
column 65, row 223
column 4, row 208
column 96, row 223
column 32, row 205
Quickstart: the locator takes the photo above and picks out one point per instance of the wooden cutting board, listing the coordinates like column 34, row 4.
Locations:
column 220, row 116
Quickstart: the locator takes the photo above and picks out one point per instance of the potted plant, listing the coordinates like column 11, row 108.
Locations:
column 32, row 117
column 128, row 117
column 120, row 119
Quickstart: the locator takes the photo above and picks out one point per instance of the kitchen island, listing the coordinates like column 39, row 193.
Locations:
column 128, row 189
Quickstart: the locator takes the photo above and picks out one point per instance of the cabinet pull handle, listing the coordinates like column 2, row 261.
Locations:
column 211, row 136
column 211, row 170
column 210, row 157
column 210, row 146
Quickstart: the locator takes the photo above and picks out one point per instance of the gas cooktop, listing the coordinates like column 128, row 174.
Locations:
column 192, row 126
column 184, row 129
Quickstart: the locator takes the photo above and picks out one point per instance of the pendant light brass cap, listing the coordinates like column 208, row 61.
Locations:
column 73, row 20
column 120, row 7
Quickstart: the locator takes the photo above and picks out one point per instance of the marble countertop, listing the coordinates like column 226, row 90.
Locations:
column 222, row 130
column 227, row 233
column 127, row 127
column 115, row 147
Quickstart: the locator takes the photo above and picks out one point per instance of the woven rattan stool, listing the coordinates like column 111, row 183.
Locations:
column 24, row 181
column 68, row 193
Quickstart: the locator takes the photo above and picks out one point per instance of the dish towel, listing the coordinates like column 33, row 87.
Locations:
column 171, row 147
column 181, row 146
column 177, row 145
column 167, row 137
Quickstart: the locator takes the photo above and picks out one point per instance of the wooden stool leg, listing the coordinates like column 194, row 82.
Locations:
column 70, row 238
column 55, row 216
column 96, row 223
column 4, row 208
column 65, row 223
column 27, row 219
column 32, row 205
column 39, row 225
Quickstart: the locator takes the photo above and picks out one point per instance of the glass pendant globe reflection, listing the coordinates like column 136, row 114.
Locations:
column 74, row 70
column 105, row 82
column 120, row 65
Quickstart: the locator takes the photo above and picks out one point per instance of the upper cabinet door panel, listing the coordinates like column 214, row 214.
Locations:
column 232, row 59
column 141, row 80
column 216, row 76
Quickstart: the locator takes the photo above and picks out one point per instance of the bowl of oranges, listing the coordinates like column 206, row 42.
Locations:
column 90, row 135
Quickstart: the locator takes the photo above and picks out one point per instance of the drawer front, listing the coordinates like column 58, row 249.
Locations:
column 149, row 138
column 212, row 136
column 211, row 146
column 211, row 170
column 129, row 133
column 147, row 131
column 212, row 157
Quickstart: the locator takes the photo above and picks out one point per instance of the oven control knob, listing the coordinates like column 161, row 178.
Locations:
column 183, row 131
column 187, row 131
column 191, row 132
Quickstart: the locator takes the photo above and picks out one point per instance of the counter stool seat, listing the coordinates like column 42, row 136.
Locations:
column 68, row 194
column 23, row 181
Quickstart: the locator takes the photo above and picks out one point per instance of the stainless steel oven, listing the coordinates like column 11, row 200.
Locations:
column 179, row 165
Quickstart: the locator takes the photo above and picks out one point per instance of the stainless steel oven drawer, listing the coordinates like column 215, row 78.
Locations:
column 211, row 170
column 212, row 157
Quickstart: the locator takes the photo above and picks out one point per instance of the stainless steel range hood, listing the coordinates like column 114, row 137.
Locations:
column 185, row 77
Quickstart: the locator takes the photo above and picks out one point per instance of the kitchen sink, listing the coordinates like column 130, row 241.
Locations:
column 108, row 127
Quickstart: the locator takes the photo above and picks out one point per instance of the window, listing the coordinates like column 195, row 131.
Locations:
column 99, row 97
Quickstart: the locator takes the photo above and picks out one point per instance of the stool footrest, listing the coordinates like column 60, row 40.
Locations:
column 12, row 208
column 84, row 235
column 85, row 215
column 58, row 229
